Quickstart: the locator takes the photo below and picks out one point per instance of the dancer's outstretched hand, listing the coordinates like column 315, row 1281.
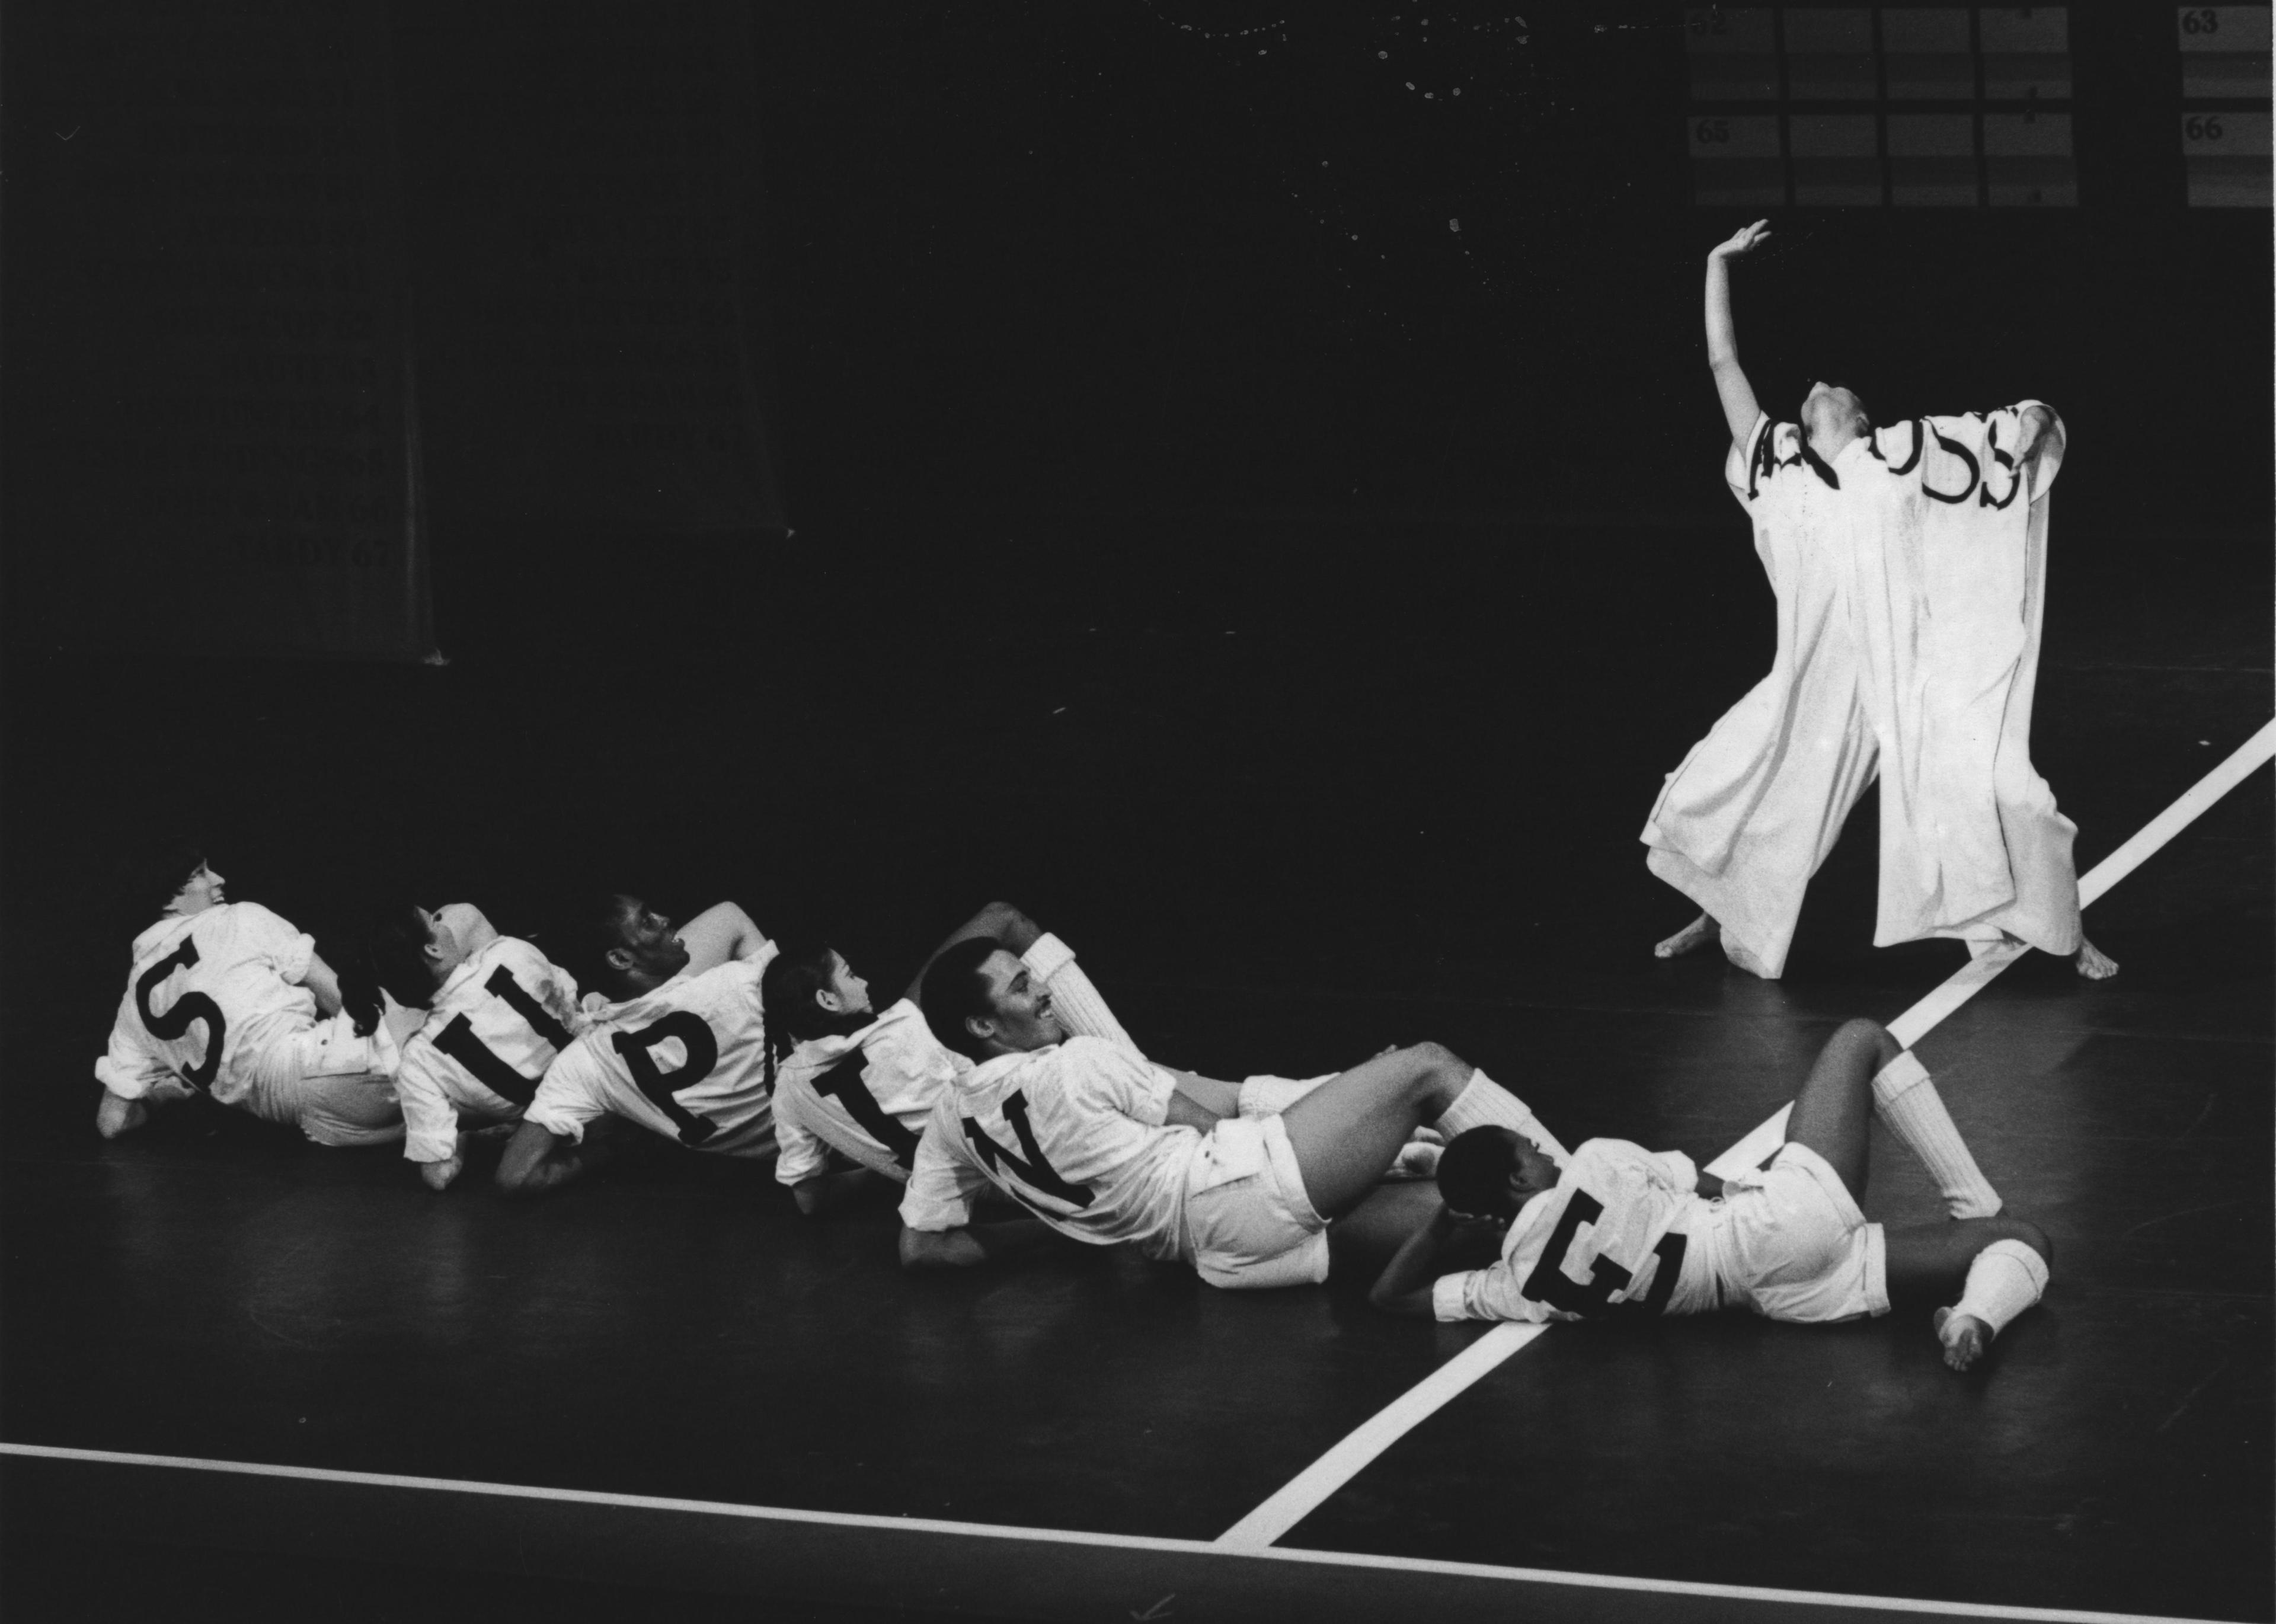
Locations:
column 1745, row 241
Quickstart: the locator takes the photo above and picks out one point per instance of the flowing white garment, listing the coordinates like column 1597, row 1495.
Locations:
column 1910, row 578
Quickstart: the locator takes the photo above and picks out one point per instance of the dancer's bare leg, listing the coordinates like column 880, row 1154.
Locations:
column 1701, row 932
column 1351, row 1127
column 1833, row 1112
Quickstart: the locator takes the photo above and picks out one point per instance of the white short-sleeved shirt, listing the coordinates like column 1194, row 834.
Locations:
column 867, row 1093
column 687, row 1060
column 208, row 993
column 495, row 1026
column 1076, row 1132
column 1615, row 1234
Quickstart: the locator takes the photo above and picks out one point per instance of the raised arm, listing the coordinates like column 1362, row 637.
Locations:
column 2038, row 425
column 1740, row 409
column 999, row 921
column 720, row 933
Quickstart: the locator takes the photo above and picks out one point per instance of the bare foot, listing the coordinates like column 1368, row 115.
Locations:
column 438, row 1175
column 1964, row 1337
column 2093, row 963
column 1699, row 933
column 115, row 1116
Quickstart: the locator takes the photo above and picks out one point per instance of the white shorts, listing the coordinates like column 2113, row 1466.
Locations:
column 1796, row 1247
column 335, row 1087
column 1249, row 1223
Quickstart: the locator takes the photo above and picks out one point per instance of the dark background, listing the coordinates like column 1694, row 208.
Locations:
column 1193, row 537
column 1293, row 600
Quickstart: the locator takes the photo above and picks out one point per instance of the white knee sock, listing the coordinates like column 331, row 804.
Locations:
column 1486, row 1103
column 1269, row 1097
column 1905, row 1099
column 2007, row 1278
column 1082, row 1010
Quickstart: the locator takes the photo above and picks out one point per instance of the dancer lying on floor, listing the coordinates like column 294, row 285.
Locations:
column 850, row 1079
column 496, row 1013
column 676, row 1042
column 1239, row 1179
column 1911, row 567
column 1619, row 1230
column 228, row 1000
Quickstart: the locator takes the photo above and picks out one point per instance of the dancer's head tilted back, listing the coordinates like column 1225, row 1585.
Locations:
column 622, row 947
column 168, row 874
column 809, row 991
column 981, row 1001
column 1830, row 417
column 411, row 949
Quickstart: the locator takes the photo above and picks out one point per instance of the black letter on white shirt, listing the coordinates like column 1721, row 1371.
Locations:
column 1036, row 1169
column 1550, row 1283
column 702, row 1055
column 189, row 1007
column 843, row 1083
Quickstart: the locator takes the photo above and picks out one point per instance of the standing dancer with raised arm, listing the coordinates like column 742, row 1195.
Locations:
column 1910, row 566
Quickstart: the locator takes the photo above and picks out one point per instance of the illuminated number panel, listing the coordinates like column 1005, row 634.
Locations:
column 1857, row 106
column 2224, row 118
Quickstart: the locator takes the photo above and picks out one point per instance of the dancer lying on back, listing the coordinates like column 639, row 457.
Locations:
column 1239, row 1179
column 1621, row 1231
column 860, row 1081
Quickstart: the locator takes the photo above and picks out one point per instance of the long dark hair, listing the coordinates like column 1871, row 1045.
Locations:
column 391, row 953
column 787, row 993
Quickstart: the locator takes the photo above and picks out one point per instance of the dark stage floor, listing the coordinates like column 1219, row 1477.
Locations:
column 1280, row 840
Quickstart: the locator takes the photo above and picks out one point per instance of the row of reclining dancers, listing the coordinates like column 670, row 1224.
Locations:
column 1003, row 1097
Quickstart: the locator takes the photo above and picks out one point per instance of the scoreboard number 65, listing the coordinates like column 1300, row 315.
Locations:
column 1711, row 133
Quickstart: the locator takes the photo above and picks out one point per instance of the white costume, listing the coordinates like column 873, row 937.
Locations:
column 1911, row 576
column 1626, row 1231
column 214, row 1001
column 687, row 1060
column 866, row 1094
column 495, row 1026
column 1077, row 1133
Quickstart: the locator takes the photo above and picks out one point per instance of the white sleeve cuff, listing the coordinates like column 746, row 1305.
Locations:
column 1047, row 958
column 298, row 959
column 430, row 1146
column 570, row 1128
column 1450, row 1295
column 118, row 1079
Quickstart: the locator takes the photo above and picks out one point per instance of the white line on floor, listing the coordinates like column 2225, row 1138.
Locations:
column 1067, row 1536
column 1304, row 1493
